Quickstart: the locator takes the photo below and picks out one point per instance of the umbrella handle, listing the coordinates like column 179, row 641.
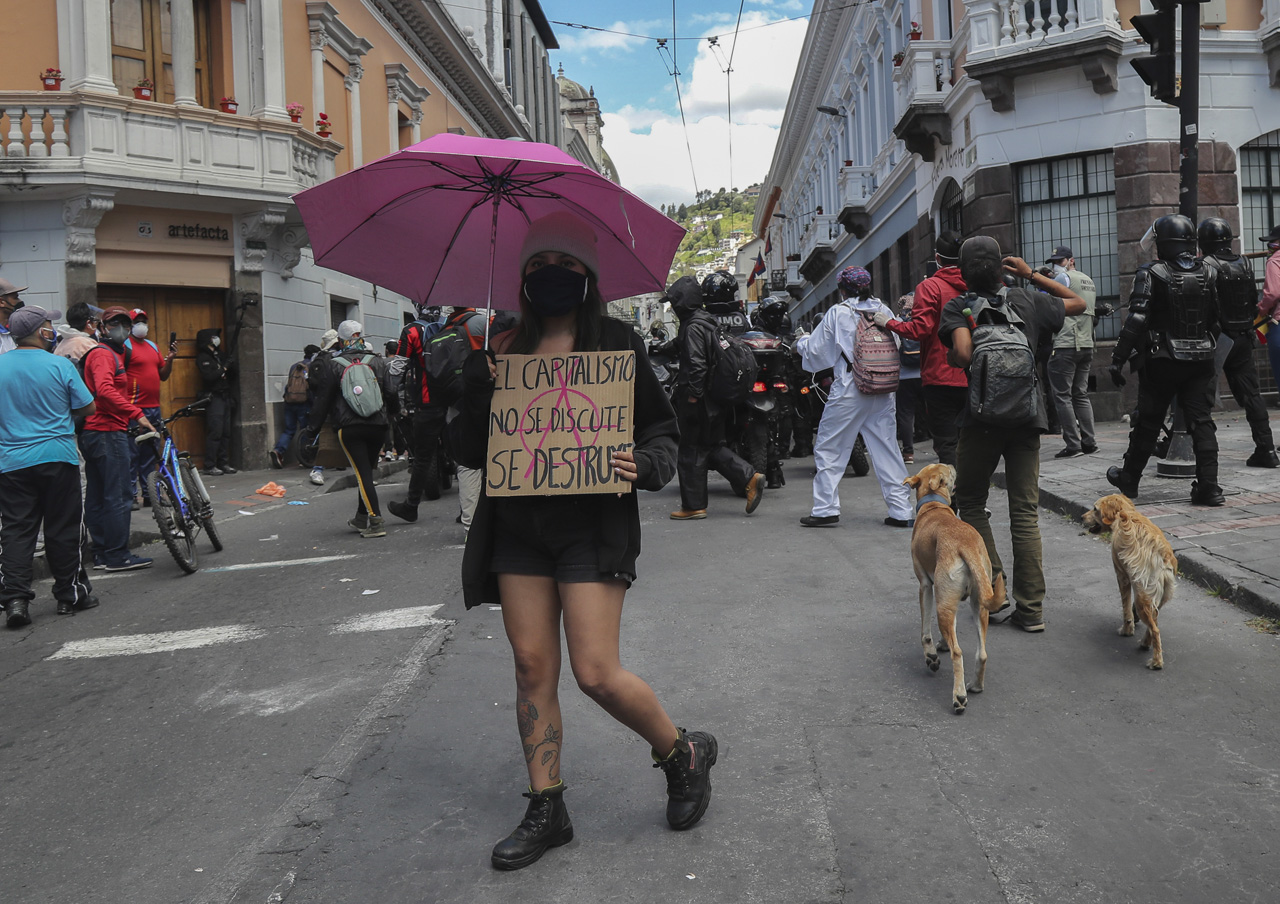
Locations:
column 493, row 246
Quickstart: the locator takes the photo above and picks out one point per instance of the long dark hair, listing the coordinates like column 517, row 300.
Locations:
column 586, row 333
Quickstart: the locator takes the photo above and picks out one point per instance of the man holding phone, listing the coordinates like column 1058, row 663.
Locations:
column 145, row 369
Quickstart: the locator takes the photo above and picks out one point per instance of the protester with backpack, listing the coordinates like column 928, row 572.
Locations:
column 571, row 558
column 701, row 344
column 297, row 403
column 350, row 388
column 865, row 359
column 435, row 359
column 993, row 332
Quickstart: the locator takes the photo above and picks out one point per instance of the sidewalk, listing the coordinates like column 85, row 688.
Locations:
column 1230, row 549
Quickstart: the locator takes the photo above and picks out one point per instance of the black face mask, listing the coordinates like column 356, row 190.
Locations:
column 553, row 290
column 18, row 305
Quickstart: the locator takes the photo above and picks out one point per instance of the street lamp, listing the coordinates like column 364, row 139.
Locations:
column 829, row 110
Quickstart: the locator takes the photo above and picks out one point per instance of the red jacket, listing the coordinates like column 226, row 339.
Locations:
column 926, row 310
column 105, row 376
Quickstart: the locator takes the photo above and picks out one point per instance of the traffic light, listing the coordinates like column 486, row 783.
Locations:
column 1159, row 30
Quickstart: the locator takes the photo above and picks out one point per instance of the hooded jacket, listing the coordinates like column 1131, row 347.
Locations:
column 73, row 343
column 696, row 343
column 325, row 378
column 931, row 295
column 215, row 369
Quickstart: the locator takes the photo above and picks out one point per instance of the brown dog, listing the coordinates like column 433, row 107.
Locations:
column 1144, row 564
column 951, row 563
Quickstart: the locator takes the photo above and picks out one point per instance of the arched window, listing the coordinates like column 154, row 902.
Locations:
column 950, row 211
column 142, row 47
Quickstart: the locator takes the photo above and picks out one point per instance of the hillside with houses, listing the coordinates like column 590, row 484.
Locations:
column 718, row 224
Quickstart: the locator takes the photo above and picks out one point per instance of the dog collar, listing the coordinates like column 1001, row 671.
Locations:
column 932, row 497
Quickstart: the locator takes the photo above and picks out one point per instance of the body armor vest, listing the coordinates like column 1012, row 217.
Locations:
column 1182, row 309
column 1237, row 293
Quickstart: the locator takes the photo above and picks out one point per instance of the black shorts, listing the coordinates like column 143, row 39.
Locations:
column 550, row 536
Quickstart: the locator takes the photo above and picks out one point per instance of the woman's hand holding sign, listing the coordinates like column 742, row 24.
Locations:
column 624, row 465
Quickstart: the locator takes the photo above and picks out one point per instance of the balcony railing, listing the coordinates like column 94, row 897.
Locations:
column 856, row 185
column 923, row 82
column 817, row 252
column 52, row 138
column 1003, row 26
column 794, row 279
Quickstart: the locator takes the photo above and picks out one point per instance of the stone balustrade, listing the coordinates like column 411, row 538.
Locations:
column 51, row 138
column 1003, row 26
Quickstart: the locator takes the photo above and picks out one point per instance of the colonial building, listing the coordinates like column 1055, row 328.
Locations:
column 583, row 125
column 1023, row 121
column 153, row 164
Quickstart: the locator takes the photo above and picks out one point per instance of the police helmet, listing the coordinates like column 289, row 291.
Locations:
column 1175, row 236
column 772, row 312
column 719, row 288
column 1214, row 235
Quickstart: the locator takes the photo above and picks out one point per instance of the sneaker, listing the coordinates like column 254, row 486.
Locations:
column 136, row 506
column 213, row 472
column 227, row 469
column 132, row 563
column 898, row 522
column 375, row 528
column 688, row 771
column 1088, row 448
column 1263, row 458
column 1069, row 453
column 755, row 490
column 545, row 825
column 908, row 458
column 360, row 522
column 99, row 566
column 1032, row 624
column 317, row 476
column 679, row 515
column 277, row 460
column 820, row 520
column 405, row 512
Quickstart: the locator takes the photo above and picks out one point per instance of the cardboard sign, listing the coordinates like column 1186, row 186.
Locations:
column 556, row 421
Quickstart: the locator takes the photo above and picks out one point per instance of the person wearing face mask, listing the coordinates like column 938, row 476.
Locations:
column 9, row 302
column 81, row 332
column 571, row 558
column 218, row 373
column 105, row 442
column 40, row 395
column 146, row 370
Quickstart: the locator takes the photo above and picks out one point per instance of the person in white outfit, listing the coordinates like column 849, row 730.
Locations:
column 850, row 412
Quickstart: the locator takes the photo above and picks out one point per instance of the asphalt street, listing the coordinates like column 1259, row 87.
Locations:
column 275, row 732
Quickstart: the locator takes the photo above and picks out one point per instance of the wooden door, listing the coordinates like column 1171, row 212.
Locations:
column 181, row 311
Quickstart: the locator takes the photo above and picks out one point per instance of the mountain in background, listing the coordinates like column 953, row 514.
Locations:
column 717, row 223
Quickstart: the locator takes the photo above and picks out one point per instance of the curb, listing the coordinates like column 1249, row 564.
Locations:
column 348, row 481
column 1221, row 578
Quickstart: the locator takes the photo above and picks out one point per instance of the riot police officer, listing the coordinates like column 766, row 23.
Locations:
column 720, row 299
column 1237, row 309
column 1169, row 335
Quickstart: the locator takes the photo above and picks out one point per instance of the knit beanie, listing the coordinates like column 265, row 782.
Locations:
column 563, row 232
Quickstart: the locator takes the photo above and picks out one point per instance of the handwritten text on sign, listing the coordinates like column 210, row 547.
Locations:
column 556, row 422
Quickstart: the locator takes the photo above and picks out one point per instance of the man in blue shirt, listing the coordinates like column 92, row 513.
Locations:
column 40, row 394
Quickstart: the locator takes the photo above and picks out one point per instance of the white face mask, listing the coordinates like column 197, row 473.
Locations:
column 140, row 331
column 216, row 341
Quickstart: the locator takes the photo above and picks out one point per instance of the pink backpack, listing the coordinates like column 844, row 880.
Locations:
column 875, row 362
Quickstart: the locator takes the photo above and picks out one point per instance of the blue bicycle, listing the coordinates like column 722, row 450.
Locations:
column 179, row 500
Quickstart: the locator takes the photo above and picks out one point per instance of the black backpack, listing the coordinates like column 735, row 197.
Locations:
column 443, row 355
column 734, row 371
column 1003, row 387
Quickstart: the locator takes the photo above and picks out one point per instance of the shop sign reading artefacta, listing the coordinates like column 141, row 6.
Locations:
column 197, row 231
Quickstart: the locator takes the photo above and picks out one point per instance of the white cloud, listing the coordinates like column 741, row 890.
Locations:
column 649, row 148
column 586, row 40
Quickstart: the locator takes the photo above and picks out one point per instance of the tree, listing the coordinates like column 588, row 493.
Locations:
column 682, row 213
column 715, row 229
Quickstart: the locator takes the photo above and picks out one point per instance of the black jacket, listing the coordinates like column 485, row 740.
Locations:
column 325, row 379
column 618, row 528
column 216, row 370
column 698, row 346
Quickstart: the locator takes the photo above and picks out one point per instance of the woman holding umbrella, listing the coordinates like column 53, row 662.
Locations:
column 549, row 558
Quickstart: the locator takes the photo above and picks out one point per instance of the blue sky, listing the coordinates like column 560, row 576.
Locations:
column 643, row 132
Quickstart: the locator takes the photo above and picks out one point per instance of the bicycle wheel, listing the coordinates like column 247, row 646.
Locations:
column 173, row 527
column 199, row 496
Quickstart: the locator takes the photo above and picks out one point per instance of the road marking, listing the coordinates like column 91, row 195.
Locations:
column 315, row 560
column 137, row 644
column 415, row 617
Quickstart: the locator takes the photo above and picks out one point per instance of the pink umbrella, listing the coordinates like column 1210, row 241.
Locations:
column 432, row 220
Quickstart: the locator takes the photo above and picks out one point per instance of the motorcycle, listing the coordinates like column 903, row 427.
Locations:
column 665, row 362
column 767, row 408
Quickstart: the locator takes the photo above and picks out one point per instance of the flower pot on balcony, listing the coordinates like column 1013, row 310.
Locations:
column 323, row 133
column 295, row 117
column 228, row 106
column 144, row 93
column 848, row 163
column 916, row 35
column 52, row 83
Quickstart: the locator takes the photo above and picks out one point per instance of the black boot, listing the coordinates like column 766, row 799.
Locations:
column 1207, row 494
column 1263, row 457
column 688, row 769
column 18, row 616
column 1123, row 481
column 403, row 510
column 545, row 825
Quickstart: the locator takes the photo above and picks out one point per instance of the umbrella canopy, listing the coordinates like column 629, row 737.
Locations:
column 434, row 220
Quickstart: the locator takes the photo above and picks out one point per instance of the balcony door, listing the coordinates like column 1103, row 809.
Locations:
column 142, row 47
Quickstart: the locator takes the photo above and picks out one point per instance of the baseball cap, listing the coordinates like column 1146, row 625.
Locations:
column 1061, row 253
column 1273, row 236
column 138, row 312
column 8, row 288
column 979, row 248
column 348, row 329
column 113, row 312
column 26, row 320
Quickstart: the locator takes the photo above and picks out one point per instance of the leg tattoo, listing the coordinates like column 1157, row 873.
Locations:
column 526, row 719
